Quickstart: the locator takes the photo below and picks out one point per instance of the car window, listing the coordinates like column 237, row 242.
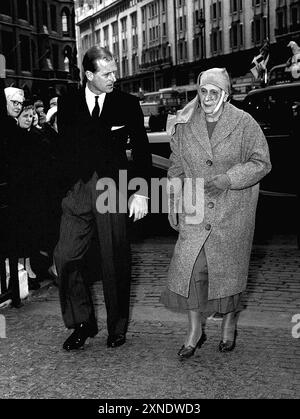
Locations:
column 277, row 112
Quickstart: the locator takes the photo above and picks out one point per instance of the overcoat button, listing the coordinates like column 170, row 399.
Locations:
column 210, row 205
column 208, row 227
column 209, row 162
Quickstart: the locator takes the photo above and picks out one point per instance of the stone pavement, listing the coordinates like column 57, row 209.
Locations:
column 264, row 364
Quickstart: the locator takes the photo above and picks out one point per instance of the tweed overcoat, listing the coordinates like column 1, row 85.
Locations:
column 239, row 149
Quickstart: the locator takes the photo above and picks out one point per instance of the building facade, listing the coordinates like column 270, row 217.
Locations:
column 37, row 38
column 164, row 43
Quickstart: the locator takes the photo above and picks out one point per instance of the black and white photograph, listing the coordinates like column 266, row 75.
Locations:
column 149, row 203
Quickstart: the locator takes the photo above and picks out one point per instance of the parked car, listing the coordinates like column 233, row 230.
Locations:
column 277, row 109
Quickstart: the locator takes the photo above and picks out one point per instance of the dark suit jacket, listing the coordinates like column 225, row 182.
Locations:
column 92, row 145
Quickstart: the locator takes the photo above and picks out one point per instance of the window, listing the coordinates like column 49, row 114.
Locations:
column 143, row 14
column 105, row 36
column 214, row 11
column 197, row 42
column 97, row 37
column 33, row 55
column 45, row 14
column 55, row 57
column 5, row 8
column 25, row 53
column 294, row 16
column 216, row 40
column 53, row 17
column 236, row 35
column 134, row 20
column 64, row 22
column 31, row 12
column 280, row 20
column 182, row 50
column 271, row 109
column 8, row 49
column 22, row 9
column 257, row 34
column 125, row 71
column 134, row 63
column 124, row 24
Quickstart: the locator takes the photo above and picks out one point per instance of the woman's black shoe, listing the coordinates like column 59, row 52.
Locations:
column 229, row 332
column 188, row 351
column 228, row 345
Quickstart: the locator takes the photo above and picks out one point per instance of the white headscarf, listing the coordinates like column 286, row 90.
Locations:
column 13, row 93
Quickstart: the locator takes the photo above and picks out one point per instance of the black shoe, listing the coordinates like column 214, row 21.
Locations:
column 229, row 332
column 188, row 351
column 83, row 331
column 116, row 340
column 33, row 284
column 229, row 345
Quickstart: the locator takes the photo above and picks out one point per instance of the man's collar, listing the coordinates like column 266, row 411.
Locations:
column 89, row 93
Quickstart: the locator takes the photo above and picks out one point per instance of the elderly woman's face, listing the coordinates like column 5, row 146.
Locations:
column 25, row 118
column 210, row 96
column 14, row 106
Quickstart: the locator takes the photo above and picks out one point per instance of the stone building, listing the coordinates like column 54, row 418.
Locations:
column 37, row 38
column 163, row 43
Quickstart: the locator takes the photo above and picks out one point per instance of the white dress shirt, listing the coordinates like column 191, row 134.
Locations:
column 90, row 99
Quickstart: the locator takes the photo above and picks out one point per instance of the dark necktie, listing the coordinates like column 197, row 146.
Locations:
column 96, row 110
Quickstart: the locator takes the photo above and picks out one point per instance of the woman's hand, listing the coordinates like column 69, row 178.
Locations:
column 217, row 185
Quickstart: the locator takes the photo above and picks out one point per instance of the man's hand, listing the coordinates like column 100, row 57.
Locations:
column 138, row 207
column 217, row 185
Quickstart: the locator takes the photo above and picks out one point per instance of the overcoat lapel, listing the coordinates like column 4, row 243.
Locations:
column 199, row 130
column 82, row 105
column 226, row 124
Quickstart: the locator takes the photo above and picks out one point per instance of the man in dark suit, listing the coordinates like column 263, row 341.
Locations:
column 94, row 124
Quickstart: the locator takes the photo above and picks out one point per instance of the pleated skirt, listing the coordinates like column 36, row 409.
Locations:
column 198, row 294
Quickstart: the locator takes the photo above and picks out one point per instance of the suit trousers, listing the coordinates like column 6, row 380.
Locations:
column 80, row 220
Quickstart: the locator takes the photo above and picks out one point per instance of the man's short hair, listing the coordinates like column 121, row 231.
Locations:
column 94, row 54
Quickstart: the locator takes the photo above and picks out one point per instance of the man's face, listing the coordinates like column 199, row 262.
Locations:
column 25, row 118
column 210, row 96
column 14, row 106
column 103, row 79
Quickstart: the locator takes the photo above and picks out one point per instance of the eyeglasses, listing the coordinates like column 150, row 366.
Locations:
column 16, row 103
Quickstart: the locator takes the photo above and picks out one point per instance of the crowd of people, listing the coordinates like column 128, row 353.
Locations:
column 29, row 159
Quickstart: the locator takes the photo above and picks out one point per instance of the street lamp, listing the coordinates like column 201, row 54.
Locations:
column 201, row 24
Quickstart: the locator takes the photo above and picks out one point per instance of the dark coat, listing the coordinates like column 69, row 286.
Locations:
column 89, row 145
column 27, row 185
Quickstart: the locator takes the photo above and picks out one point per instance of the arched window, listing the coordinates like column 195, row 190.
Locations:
column 65, row 21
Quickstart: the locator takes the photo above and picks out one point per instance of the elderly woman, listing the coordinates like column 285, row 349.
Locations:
column 223, row 146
